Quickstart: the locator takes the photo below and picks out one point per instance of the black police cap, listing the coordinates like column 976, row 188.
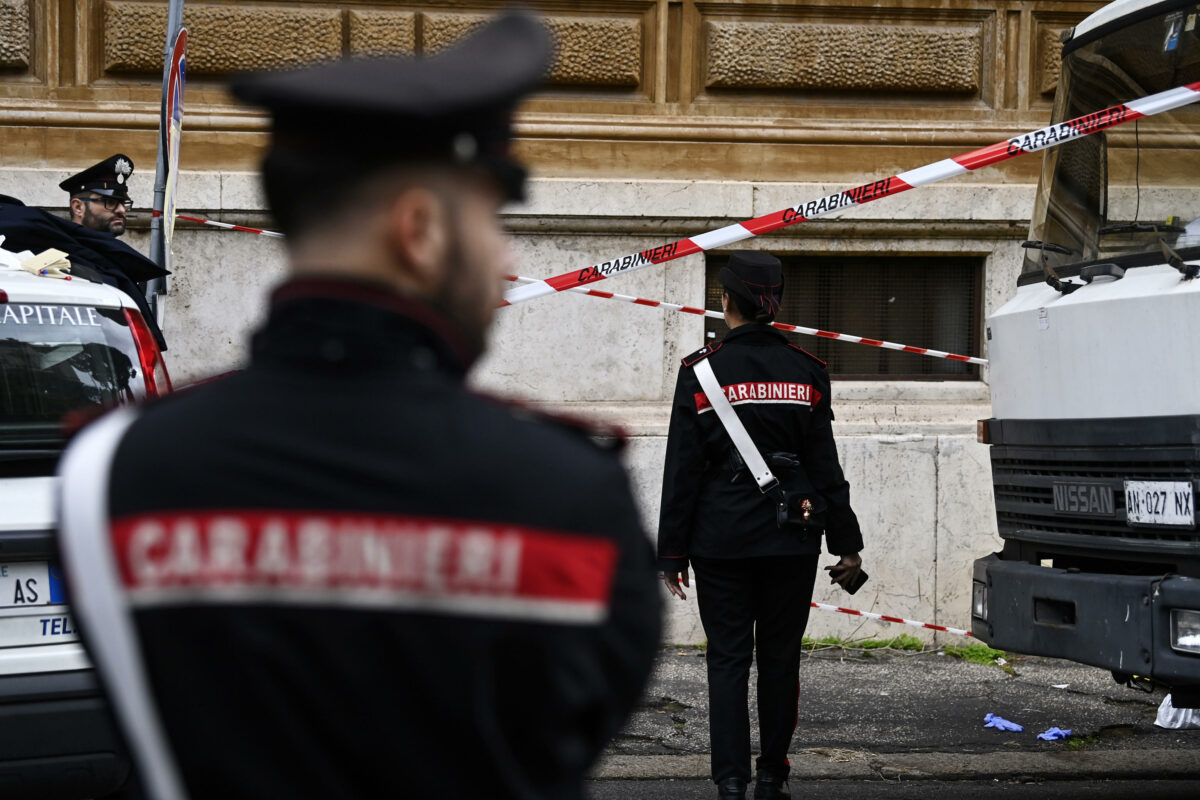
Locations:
column 757, row 277
column 109, row 178
column 455, row 106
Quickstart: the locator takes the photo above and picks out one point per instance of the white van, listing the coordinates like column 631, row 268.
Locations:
column 68, row 348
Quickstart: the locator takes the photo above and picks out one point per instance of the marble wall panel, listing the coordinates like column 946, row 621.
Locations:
column 15, row 34
column 221, row 39
column 966, row 524
column 791, row 55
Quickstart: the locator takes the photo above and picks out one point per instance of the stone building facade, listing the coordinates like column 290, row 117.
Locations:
column 662, row 119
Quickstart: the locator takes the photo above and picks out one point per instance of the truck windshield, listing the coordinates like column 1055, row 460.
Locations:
column 1113, row 196
column 56, row 359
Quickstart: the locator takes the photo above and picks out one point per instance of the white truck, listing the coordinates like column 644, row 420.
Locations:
column 1095, row 375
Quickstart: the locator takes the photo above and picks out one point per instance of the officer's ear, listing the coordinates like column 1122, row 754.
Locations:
column 418, row 234
column 76, row 206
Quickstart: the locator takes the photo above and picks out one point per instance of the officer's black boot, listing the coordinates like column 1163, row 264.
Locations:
column 732, row 789
column 770, row 787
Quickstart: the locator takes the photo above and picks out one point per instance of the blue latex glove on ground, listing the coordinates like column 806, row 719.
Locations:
column 1052, row 734
column 1000, row 723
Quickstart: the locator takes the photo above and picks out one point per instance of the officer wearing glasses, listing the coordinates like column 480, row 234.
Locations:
column 99, row 203
column 100, row 195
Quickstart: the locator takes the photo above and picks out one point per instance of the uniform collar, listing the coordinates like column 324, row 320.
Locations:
column 753, row 332
column 347, row 324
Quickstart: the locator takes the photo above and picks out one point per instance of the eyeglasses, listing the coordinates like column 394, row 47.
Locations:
column 110, row 203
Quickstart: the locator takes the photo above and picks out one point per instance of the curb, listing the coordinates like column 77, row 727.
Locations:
column 831, row 764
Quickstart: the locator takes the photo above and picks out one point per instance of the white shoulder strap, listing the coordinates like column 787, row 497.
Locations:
column 734, row 427
column 98, row 601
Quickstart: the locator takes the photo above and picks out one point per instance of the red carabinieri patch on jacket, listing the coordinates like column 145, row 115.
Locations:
column 398, row 563
column 763, row 392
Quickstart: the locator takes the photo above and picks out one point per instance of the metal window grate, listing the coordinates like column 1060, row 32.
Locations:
column 926, row 302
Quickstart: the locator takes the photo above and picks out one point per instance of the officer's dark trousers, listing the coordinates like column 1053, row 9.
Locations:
column 744, row 602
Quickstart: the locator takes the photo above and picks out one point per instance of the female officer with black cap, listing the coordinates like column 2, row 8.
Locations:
column 754, row 571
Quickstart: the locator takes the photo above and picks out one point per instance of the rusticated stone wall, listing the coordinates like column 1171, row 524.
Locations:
column 848, row 57
column 226, row 39
column 374, row 33
column 662, row 119
column 674, row 89
column 15, row 39
column 592, row 51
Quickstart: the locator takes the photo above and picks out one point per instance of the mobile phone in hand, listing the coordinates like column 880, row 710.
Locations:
column 857, row 583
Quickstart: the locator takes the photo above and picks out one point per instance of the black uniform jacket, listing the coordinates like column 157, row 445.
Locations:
column 94, row 255
column 781, row 394
column 350, row 576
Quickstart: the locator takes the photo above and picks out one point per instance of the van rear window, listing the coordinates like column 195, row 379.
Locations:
column 55, row 359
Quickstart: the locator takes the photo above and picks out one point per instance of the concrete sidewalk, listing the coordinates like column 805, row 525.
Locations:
column 887, row 714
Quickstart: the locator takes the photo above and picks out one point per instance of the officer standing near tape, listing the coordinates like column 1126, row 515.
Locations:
column 755, row 569
column 339, row 573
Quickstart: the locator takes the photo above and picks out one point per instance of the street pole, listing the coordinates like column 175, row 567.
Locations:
column 158, row 250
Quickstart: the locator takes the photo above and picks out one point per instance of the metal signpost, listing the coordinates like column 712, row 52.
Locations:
column 169, row 126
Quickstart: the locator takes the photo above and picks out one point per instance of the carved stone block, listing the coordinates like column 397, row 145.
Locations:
column 592, row 51
column 1050, row 55
column 221, row 39
column 14, row 33
column 788, row 55
column 377, row 33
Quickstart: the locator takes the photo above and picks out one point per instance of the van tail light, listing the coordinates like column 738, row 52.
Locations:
column 158, row 382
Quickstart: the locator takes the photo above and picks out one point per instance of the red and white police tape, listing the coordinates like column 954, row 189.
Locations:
column 886, row 618
column 1030, row 142
column 641, row 301
column 226, row 225
column 783, row 326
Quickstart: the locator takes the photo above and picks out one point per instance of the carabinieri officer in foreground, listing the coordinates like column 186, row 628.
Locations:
column 339, row 573
column 754, row 579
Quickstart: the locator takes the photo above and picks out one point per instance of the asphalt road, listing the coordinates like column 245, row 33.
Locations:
column 915, row 790
column 890, row 702
column 904, row 725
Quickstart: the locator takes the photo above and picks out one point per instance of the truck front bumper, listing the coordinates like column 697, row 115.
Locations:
column 1121, row 623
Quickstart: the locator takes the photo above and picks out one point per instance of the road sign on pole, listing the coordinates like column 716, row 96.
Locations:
column 172, row 128
column 159, row 253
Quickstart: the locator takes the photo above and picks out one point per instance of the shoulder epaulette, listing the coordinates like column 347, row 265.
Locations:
column 810, row 355
column 701, row 354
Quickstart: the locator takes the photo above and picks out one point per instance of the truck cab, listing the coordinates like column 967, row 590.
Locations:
column 1095, row 374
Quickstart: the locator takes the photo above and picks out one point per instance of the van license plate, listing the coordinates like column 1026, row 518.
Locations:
column 30, row 583
column 52, row 626
column 1159, row 503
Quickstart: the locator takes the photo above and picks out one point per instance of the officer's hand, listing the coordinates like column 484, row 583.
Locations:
column 845, row 571
column 673, row 579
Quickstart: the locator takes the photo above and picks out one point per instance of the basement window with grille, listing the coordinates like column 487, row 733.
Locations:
column 925, row 301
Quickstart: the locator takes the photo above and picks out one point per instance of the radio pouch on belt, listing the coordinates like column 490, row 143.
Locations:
column 797, row 509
